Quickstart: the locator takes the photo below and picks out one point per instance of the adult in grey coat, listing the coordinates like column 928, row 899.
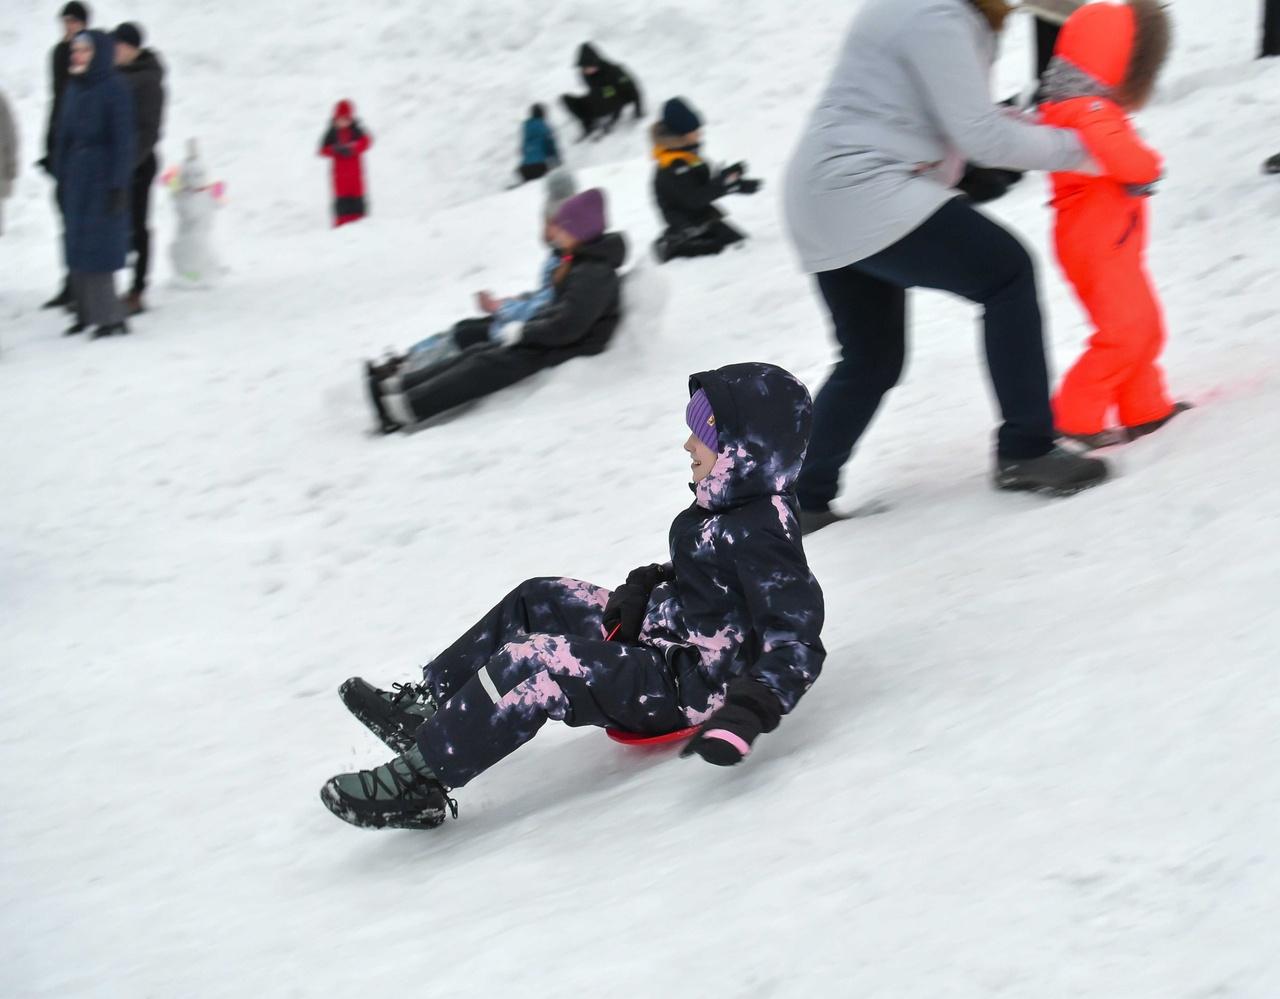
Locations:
column 8, row 155
column 871, row 208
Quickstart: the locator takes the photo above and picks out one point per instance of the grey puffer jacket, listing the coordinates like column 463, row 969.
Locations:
column 908, row 104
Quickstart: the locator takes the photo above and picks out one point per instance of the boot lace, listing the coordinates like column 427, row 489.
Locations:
column 371, row 783
column 412, row 692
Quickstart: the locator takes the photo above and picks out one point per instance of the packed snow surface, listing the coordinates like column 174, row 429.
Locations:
column 1043, row 758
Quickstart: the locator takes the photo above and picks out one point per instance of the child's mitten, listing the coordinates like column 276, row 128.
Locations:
column 725, row 738
column 625, row 610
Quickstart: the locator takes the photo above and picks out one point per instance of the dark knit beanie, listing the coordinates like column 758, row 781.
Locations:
column 129, row 33
column 76, row 10
column 678, row 118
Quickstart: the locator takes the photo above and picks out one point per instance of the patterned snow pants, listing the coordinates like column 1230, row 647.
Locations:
column 539, row 654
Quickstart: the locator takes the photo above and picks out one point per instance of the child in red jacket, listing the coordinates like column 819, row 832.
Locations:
column 345, row 142
column 1107, row 59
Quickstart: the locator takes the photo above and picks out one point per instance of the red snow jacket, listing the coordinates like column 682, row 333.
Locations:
column 345, row 146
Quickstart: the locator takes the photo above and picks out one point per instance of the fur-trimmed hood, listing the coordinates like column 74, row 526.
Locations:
column 1121, row 46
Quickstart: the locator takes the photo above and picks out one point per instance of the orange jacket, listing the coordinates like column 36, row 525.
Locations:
column 1098, row 40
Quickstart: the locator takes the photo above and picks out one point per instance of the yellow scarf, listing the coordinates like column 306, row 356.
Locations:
column 666, row 157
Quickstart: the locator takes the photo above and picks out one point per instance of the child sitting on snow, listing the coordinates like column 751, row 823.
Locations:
column 345, row 143
column 686, row 189
column 538, row 152
column 724, row 636
column 195, row 200
column 584, row 309
column 1108, row 57
column 500, row 314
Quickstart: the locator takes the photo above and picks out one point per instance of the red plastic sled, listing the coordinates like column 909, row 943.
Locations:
column 636, row 739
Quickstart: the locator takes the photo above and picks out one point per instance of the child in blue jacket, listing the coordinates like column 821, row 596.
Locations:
column 538, row 152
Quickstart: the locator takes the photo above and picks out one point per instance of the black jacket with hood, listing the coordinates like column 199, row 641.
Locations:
column 145, row 77
column 741, row 600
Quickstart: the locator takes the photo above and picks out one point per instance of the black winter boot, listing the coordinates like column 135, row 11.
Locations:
column 1151, row 426
column 816, row 520
column 1058, row 473
column 401, row 794
column 62, row 300
column 109, row 329
column 75, row 328
column 392, row 715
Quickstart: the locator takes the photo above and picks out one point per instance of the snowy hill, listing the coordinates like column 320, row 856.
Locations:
column 1042, row 760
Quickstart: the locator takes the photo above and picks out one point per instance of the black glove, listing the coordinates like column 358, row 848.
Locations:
column 624, row 613
column 44, row 164
column 731, row 176
column 725, row 738
column 117, row 201
column 343, row 151
column 748, row 186
column 983, row 184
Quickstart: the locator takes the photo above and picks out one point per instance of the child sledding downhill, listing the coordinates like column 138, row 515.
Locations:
column 345, row 142
column 578, row 319
column 686, row 189
column 725, row 636
column 610, row 90
column 1107, row 59
column 500, row 314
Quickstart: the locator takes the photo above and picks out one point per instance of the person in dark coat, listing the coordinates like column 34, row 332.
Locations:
column 345, row 143
column 144, row 73
column 93, row 160
column 538, row 151
column 686, row 189
column 75, row 19
column 726, row 636
column 580, row 319
column 610, row 90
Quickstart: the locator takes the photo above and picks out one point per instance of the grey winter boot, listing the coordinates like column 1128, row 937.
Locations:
column 1058, row 473
column 392, row 715
column 401, row 794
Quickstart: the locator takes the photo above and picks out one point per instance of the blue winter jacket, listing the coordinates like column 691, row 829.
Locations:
column 538, row 144
column 524, row 307
column 93, row 154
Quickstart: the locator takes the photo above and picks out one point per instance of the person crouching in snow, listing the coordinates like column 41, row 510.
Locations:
column 580, row 318
column 725, row 636
column 345, row 143
column 686, row 189
column 195, row 199
column 538, row 152
column 499, row 313
column 1107, row 59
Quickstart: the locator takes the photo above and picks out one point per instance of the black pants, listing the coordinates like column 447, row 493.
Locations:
column 703, row 240
column 140, row 210
column 958, row 250
column 1271, row 28
column 591, row 110
column 473, row 374
column 531, row 171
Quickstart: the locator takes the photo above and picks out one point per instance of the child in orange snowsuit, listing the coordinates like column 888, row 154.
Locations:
column 1106, row 62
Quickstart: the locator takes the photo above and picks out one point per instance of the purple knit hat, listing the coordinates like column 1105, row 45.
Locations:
column 582, row 216
column 702, row 421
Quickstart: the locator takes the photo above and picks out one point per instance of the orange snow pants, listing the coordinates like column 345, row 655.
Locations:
column 1101, row 243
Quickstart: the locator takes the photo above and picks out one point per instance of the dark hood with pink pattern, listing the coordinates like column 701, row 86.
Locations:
column 743, row 601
